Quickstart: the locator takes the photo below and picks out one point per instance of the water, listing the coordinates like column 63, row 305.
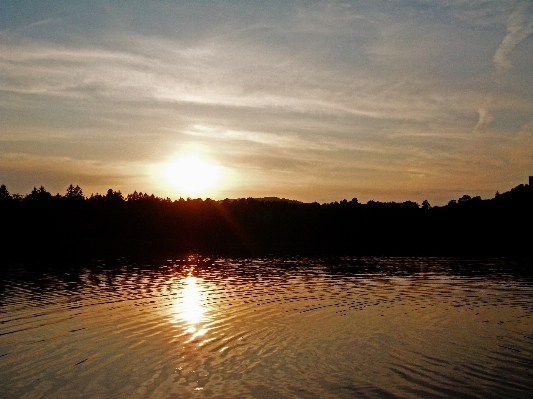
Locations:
column 269, row 328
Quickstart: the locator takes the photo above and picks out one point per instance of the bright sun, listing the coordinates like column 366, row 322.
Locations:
column 192, row 175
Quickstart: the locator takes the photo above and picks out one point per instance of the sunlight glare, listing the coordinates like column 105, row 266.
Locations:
column 192, row 175
column 190, row 308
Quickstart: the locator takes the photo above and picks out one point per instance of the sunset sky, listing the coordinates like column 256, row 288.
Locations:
column 313, row 101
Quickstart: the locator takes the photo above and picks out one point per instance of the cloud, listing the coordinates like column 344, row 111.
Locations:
column 230, row 71
column 282, row 140
column 485, row 119
column 519, row 27
column 316, row 96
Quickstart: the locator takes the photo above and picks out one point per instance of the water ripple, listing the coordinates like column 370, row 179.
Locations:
column 269, row 327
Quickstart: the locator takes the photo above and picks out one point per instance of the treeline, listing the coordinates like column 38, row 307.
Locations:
column 41, row 224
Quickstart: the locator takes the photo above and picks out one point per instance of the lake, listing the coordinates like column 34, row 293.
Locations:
column 197, row 327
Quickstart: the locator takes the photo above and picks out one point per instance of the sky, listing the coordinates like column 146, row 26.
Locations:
column 306, row 100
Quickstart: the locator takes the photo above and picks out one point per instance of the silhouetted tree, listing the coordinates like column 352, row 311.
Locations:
column 38, row 195
column 135, row 196
column 42, row 222
column 74, row 193
column 114, row 196
column 426, row 205
column 4, row 193
column 465, row 198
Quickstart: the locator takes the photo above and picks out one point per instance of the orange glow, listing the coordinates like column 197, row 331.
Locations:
column 192, row 175
column 190, row 307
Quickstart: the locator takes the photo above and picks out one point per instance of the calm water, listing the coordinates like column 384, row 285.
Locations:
column 269, row 328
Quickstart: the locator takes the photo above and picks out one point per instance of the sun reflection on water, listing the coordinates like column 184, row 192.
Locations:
column 190, row 307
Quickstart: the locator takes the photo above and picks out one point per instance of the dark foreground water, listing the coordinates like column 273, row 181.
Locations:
column 269, row 328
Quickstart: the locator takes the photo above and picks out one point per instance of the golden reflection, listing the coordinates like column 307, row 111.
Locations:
column 190, row 307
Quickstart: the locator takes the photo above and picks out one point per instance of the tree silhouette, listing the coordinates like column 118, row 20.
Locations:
column 4, row 193
column 465, row 198
column 38, row 195
column 111, row 224
column 74, row 193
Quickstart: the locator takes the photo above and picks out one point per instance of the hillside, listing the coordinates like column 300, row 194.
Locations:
column 40, row 224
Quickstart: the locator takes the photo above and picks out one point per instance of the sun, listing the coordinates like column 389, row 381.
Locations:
column 192, row 175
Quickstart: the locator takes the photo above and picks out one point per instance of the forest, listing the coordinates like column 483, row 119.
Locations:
column 40, row 224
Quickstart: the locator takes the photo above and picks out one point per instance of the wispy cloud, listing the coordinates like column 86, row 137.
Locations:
column 519, row 27
column 317, row 96
column 485, row 119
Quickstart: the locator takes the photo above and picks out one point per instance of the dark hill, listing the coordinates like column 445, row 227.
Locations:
column 42, row 225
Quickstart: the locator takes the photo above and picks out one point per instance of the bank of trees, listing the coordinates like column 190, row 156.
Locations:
column 42, row 224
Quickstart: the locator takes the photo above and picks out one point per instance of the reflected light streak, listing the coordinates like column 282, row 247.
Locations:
column 189, row 307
